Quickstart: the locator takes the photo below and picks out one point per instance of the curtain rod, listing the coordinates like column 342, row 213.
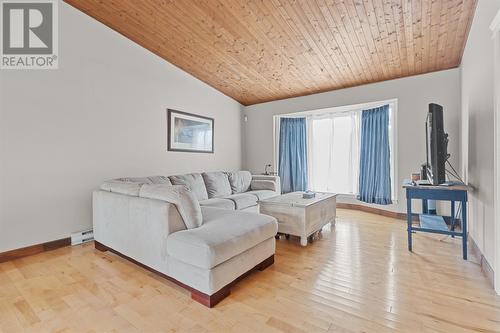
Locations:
column 343, row 109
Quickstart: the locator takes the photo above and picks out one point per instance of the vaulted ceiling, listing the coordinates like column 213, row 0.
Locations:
column 263, row 50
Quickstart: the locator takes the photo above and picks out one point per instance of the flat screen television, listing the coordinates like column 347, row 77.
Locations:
column 436, row 145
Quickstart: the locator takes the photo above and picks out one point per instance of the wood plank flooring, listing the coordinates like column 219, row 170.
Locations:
column 358, row 277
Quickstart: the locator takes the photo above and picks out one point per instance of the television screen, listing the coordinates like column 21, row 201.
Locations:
column 436, row 145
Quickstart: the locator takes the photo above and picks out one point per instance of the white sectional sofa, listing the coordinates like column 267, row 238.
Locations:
column 232, row 240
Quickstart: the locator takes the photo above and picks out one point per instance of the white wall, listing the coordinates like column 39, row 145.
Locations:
column 101, row 115
column 413, row 94
column 478, row 126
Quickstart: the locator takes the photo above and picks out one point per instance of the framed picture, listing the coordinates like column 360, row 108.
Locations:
column 189, row 132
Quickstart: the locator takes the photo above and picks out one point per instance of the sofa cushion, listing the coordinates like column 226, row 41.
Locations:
column 217, row 184
column 145, row 180
column 122, row 187
column 262, row 194
column 178, row 195
column 242, row 200
column 239, row 181
column 193, row 181
column 218, row 203
column 159, row 180
column 131, row 185
column 223, row 235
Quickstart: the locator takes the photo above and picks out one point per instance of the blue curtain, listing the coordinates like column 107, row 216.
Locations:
column 374, row 159
column 293, row 154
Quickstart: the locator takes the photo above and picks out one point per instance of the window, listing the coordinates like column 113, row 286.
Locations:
column 333, row 154
column 333, row 146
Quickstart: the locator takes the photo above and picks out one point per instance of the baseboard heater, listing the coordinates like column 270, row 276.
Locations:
column 82, row 237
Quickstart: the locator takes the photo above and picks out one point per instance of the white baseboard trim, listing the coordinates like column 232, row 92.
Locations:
column 485, row 265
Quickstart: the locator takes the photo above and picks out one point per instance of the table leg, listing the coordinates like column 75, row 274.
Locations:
column 409, row 220
column 452, row 217
column 425, row 206
column 464, row 229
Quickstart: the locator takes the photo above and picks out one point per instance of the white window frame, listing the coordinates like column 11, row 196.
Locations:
column 393, row 142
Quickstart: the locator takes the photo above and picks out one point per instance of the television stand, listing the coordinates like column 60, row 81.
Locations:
column 435, row 223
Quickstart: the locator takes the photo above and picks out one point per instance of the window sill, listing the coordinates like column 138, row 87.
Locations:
column 354, row 196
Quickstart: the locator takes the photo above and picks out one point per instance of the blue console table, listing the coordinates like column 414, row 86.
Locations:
column 434, row 223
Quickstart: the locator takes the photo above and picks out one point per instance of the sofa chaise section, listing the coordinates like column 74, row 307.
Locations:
column 225, row 247
column 223, row 235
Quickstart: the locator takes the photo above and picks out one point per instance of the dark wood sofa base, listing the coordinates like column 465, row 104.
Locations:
column 207, row 300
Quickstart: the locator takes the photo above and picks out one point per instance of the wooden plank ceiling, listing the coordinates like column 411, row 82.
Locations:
column 263, row 50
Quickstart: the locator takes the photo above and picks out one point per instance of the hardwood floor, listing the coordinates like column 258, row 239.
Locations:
column 356, row 278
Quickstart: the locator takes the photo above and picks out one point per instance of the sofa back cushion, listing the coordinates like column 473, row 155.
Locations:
column 159, row 180
column 145, row 180
column 121, row 187
column 132, row 185
column 194, row 182
column 217, row 184
column 180, row 196
column 239, row 181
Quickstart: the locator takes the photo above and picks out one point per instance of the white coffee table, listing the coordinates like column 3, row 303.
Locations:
column 301, row 217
